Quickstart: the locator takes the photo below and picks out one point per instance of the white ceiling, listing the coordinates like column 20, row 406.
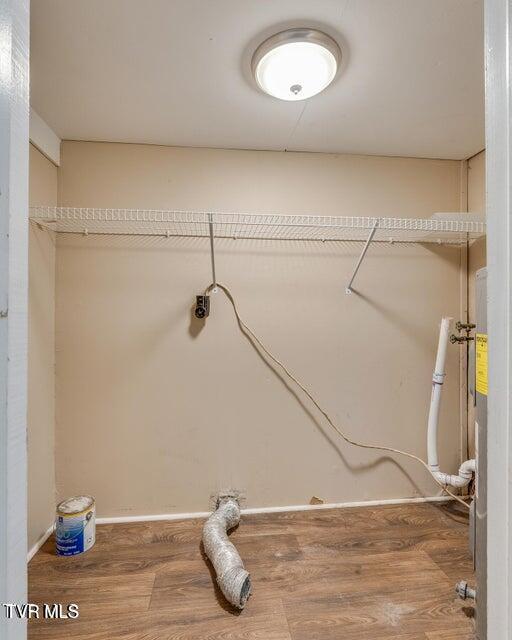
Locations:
column 176, row 72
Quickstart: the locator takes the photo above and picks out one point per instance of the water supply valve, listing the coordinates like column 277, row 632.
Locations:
column 462, row 326
column 202, row 309
column 460, row 339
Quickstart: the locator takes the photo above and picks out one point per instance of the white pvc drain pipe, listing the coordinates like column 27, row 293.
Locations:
column 467, row 468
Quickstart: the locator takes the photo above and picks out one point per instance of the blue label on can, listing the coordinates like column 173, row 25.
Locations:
column 70, row 535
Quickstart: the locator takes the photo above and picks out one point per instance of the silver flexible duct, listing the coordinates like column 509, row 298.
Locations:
column 233, row 580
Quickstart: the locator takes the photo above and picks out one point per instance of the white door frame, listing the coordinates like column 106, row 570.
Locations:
column 14, row 118
column 498, row 47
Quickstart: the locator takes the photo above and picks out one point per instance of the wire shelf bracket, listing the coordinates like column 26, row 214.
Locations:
column 212, row 251
column 348, row 289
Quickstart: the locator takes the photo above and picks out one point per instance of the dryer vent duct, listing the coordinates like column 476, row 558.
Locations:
column 233, row 580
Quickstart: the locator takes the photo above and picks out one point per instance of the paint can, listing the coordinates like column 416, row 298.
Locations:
column 75, row 525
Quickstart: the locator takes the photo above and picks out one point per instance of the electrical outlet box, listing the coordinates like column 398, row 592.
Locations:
column 202, row 309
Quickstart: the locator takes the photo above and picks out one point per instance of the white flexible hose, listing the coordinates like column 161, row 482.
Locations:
column 329, row 420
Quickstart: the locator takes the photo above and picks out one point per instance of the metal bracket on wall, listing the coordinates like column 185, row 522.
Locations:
column 212, row 252
column 349, row 289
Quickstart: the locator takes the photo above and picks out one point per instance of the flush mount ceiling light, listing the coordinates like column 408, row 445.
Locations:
column 296, row 64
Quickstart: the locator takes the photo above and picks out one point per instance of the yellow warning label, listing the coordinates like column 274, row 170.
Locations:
column 481, row 363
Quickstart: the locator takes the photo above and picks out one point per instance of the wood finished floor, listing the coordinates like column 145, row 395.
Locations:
column 376, row 573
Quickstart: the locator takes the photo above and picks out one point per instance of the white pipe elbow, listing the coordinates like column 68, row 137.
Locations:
column 466, row 471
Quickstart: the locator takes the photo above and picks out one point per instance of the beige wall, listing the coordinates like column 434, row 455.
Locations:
column 476, row 258
column 41, row 360
column 156, row 412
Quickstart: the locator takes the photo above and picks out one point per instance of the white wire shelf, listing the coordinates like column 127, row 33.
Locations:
column 255, row 226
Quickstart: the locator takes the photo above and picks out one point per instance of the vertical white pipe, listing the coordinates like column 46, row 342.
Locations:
column 435, row 399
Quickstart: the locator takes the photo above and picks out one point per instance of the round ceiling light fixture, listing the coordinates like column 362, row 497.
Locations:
column 296, row 64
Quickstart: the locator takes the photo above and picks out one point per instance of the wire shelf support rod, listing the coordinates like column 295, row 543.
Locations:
column 348, row 289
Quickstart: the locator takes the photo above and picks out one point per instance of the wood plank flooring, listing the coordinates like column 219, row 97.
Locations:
column 379, row 573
